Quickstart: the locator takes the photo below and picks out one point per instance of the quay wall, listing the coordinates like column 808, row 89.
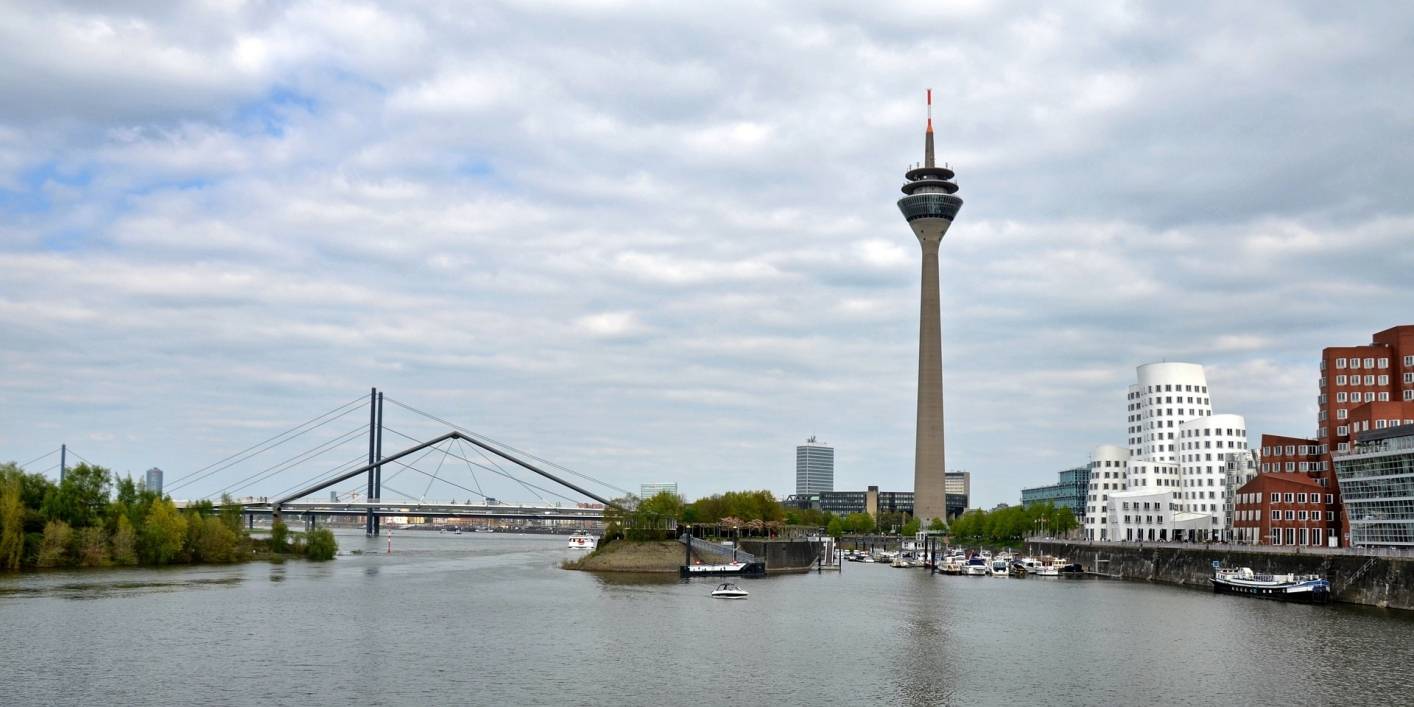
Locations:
column 1373, row 580
column 784, row 555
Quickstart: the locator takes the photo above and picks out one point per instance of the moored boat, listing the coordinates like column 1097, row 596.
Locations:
column 1306, row 588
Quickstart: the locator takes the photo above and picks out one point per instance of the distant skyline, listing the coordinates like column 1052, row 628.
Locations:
column 657, row 242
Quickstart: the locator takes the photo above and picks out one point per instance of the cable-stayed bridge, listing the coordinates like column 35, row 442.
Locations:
column 451, row 473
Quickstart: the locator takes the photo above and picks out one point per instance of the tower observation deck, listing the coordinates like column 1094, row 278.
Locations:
column 929, row 205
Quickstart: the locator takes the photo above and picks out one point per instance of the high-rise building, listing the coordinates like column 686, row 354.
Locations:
column 1361, row 388
column 958, row 483
column 814, row 467
column 153, row 481
column 1172, row 482
column 929, row 205
column 651, row 490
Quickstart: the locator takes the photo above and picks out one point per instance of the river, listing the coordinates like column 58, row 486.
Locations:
column 491, row 619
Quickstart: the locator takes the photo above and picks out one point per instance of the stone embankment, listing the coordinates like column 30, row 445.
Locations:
column 1373, row 580
column 784, row 555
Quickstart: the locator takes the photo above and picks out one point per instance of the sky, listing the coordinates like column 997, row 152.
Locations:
column 659, row 242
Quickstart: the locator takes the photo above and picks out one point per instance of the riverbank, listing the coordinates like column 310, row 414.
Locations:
column 632, row 556
column 1384, row 582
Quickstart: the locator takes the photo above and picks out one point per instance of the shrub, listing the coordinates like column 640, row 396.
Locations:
column 320, row 545
column 54, row 549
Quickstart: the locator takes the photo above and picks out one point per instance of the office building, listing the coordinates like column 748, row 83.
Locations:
column 814, row 467
column 1172, row 480
column 1069, row 491
column 153, row 480
column 1360, row 388
column 650, row 490
column 1377, row 482
column 929, row 205
column 958, row 483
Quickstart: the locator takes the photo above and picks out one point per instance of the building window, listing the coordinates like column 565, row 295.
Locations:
column 1290, row 497
column 1340, row 363
column 1276, row 498
column 1276, row 515
column 1369, row 363
column 1369, row 380
column 1340, row 380
column 1330, row 498
column 1300, row 498
column 1384, row 363
column 1383, row 380
column 1330, row 515
column 1409, row 360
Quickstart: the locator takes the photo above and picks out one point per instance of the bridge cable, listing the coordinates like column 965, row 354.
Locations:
column 474, row 480
column 494, row 471
column 363, row 457
column 503, row 445
column 435, row 472
column 52, row 451
column 183, row 480
column 492, row 462
column 291, row 462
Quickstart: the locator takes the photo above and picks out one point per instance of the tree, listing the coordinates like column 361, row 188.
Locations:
column 54, row 548
column 835, row 528
column 320, row 545
column 80, row 498
column 912, row 527
column 12, row 521
column 91, row 546
column 210, row 540
column 279, row 535
column 163, row 532
column 1064, row 521
column 859, row 523
column 124, row 550
column 937, row 525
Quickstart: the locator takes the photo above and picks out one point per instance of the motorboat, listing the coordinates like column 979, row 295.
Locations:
column 727, row 590
column 583, row 541
column 1031, row 564
column 976, row 566
column 999, row 567
column 1017, row 569
column 1306, row 588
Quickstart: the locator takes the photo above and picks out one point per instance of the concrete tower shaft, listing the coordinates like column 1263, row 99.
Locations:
column 929, row 206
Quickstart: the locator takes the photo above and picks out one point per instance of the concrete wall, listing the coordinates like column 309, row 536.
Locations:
column 1386, row 582
column 784, row 555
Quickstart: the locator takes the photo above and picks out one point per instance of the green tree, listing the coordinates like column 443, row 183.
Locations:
column 1063, row 521
column 279, row 536
column 54, row 549
column 859, row 523
column 91, row 546
column 210, row 540
column 12, row 519
column 163, row 533
column 124, row 551
column 321, row 545
column 912, row 527
column 80, row 498
column 835, row 528
column 937, row 525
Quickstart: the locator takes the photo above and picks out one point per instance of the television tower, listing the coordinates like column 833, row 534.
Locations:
column 929, row 206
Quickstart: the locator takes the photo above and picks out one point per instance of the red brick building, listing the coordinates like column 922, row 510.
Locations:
column 1361, row 387
column 1283, row 509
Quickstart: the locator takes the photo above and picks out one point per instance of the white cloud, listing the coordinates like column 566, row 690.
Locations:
column 617, row 234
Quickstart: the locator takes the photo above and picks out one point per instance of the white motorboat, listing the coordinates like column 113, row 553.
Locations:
column 999, row 567
column 727, row 590
column 583, row 541
column 976, row 567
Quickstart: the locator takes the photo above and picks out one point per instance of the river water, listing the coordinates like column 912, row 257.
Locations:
column 491, row 619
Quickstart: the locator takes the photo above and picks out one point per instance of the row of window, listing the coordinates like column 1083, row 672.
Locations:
column 1307, row 536
column 1215, row 432
column 1170, row 388
column 1370, row 362
column 1288, row 497
column 1290, row 449
column 1295, row 466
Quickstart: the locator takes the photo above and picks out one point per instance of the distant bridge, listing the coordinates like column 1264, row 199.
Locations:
column 369, row 499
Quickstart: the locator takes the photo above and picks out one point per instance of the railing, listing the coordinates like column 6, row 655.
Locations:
column 729, row 554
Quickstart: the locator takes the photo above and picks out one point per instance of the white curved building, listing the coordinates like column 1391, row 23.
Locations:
column 1109, row 468
column 1175, row 480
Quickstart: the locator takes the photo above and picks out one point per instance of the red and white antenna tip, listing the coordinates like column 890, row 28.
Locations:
column 930, row 110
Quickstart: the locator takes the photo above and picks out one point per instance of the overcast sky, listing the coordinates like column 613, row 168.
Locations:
column 659, row 241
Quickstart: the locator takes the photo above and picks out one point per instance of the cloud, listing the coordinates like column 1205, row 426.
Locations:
column 619, row 234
